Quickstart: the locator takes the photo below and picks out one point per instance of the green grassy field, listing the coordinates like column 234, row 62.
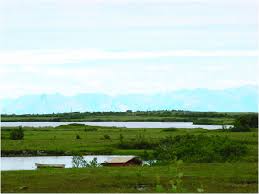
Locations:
column 62, row 140
column 234, row 176
column 211, row 177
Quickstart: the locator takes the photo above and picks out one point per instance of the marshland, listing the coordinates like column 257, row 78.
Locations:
column 186, row 159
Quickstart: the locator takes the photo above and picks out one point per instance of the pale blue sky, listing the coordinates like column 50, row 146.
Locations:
column 130, row 46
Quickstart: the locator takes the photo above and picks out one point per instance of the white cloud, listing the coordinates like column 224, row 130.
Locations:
column 124, row 25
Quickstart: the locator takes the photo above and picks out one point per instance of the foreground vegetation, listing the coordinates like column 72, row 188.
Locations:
column 206, row 177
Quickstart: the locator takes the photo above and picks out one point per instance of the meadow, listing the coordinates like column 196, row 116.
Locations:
column 205, row 177
column 238, row 175
column 92, row 140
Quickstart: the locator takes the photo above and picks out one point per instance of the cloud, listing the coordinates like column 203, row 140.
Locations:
column 39, row 57
column 126, row 46
column 129, row 24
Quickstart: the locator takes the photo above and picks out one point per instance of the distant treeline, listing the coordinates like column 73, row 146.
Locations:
column 162, row 115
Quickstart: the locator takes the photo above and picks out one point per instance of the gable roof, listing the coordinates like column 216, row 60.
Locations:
column 120, row 159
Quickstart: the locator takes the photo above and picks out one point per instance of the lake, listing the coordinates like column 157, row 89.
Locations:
column 28, row 163
column 117, row 124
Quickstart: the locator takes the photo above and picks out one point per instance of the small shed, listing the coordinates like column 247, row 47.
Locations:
column 123, row 161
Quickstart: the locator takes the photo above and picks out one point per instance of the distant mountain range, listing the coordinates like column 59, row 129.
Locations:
column 243, row 99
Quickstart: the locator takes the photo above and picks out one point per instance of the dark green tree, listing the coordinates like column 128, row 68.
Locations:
column 245, row 122
column 17, row 134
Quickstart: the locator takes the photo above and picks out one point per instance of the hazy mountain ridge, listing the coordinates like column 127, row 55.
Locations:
column 243, row 99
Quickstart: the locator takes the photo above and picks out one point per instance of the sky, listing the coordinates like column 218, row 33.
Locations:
column 123, row 47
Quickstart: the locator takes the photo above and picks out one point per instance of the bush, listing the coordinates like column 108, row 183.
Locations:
column 76, row 124
column 245, row 122
column 17, row 134
column 90, row 129
column 78, row 137
column 170, row 130
column 199, row 148
column 140, row 142
column 80, row 162
column 121, row 139
column 106, row 137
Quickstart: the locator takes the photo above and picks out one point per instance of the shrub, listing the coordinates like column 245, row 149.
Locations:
column 140, row 142
column 80, row 162
column 93, row 163
column 199, row 148
column 146, row 155
column 17, row 134
column 121, row 139
column 90, row 129
column 169, row 130
column 106, row 137
column 76, row 124
column 245, row 122
column 78, row 137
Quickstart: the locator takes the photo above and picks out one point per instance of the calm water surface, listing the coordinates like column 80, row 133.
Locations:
column 117, row 124
column 28, row 163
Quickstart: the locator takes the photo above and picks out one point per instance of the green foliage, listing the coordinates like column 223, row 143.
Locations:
column 139, row 142
column 159, row 186
column 76, row 124
column 90, row 129
column 93, row 163
column 176, row 185
column 170, row 130
column 199, row 148
column 160, row 115
column 42, row 139
column 121, row 138
column 205, row 121
column 78, row 137
column 237, row 177
column 245, row 122
column 80, row 162
column 17, row 133
column 107, row 137
column 71, row 126
column 146, row 155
